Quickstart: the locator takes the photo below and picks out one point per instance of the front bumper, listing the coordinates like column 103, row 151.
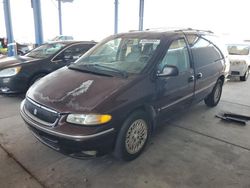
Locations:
column 13, row 84
column 75, row 145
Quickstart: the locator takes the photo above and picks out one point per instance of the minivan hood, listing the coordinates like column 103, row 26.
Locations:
column 71, row 91
column 14, row 61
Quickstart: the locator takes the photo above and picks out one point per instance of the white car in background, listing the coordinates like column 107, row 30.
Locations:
column 239, row 58
column 62, row 38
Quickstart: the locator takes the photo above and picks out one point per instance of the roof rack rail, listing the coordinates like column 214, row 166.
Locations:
column 198, row 30
column 164, row 28
column 177, row 29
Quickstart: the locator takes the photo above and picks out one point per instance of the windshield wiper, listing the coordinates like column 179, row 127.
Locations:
column 113, row 70
column 88, row 70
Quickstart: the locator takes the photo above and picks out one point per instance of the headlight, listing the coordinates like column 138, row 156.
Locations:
column 88, row 119
column 10, row 71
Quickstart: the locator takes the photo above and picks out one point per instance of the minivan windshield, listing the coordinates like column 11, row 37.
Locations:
column 121, row 56
column 45, row 50
column 238, row 49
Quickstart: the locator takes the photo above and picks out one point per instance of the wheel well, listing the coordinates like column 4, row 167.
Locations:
column 222, row 78
column 149, row 110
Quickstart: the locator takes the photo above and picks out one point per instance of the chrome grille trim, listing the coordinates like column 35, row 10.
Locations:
column 40, row 106
column 37, row 119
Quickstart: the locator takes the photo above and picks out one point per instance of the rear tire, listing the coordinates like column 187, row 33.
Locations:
column 245, row 77
column 214, row 97
column 133, row 136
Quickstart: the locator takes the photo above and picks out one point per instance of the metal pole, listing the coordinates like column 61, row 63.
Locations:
column 116, row 17
column 141, row 13
column 36, row 5
column 8, row 25
column 60, row 16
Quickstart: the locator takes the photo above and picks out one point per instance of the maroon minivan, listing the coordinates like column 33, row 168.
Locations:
column 112, row 98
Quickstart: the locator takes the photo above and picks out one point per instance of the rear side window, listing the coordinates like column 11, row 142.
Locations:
column 204, row 52
column 219, row 43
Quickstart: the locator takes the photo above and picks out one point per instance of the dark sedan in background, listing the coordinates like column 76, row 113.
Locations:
column 17, row 74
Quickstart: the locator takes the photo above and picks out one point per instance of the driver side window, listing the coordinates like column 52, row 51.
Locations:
column 177, row 55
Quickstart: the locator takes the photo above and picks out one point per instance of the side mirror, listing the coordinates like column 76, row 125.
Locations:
column 168, row 70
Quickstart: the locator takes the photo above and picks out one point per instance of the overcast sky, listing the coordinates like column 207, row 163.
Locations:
column 94, row 19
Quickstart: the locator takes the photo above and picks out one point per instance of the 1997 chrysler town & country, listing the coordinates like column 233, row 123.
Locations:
column 113, row 96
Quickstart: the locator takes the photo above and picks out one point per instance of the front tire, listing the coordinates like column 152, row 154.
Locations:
column 214, row 97
column 133, row 136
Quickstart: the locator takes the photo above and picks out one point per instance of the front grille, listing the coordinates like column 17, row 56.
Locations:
column 40, row 113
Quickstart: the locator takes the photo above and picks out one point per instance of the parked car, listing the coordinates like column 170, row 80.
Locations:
column 17, row 74
column 21, row 49
column 113, row 96
column 62, row 38
column 239, row 60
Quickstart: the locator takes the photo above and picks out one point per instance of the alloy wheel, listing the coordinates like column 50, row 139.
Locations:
column 136, row 136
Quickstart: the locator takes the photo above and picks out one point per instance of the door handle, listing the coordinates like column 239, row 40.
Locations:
column 191, row 79
column 199, row 75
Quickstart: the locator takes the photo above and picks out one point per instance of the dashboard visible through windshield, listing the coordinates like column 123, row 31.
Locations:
column 120, row 55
